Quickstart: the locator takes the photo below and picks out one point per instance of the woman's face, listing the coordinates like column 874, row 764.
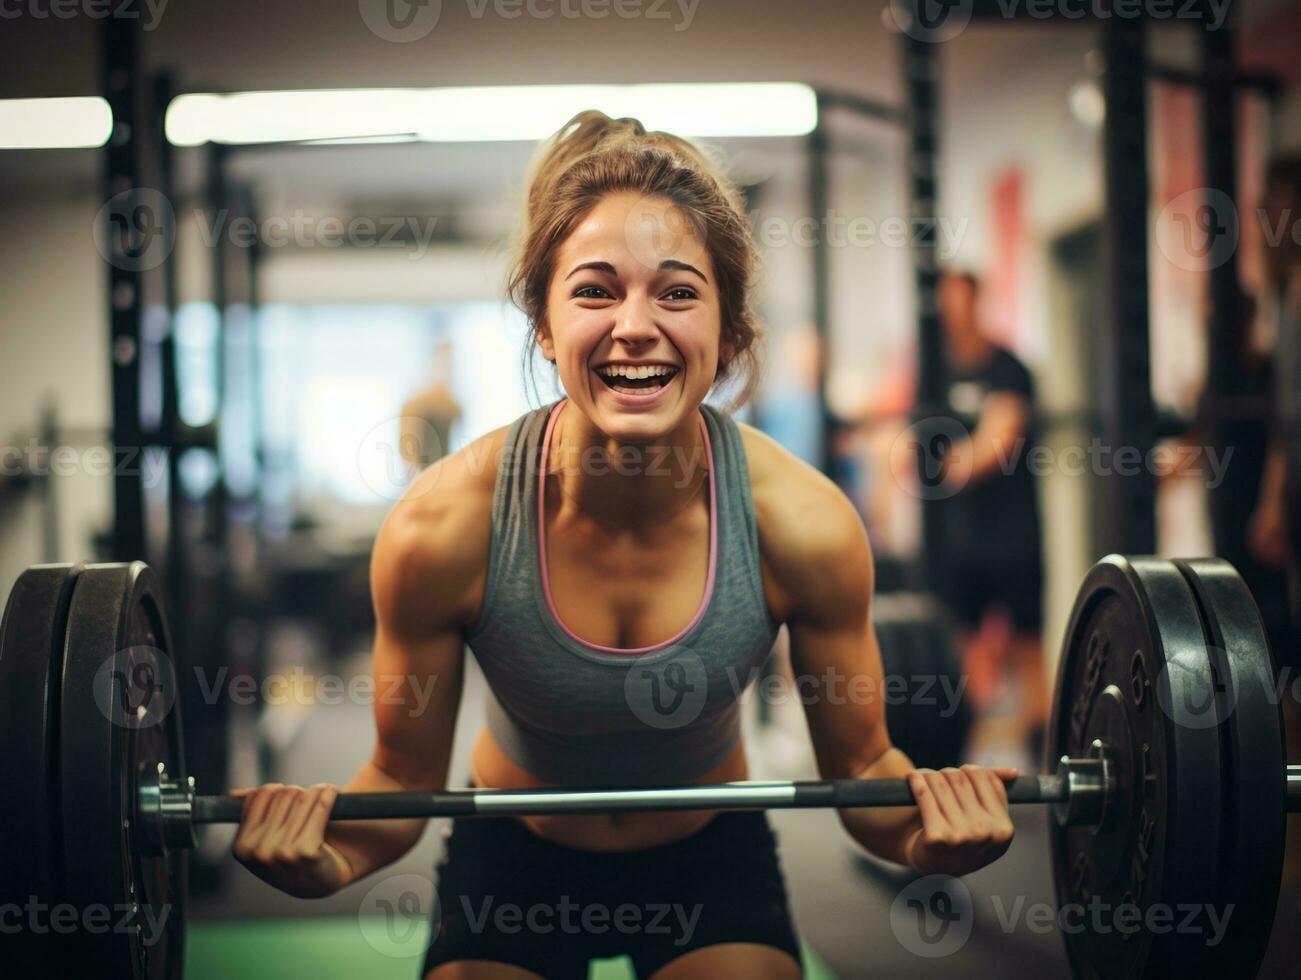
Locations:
column 633, row 318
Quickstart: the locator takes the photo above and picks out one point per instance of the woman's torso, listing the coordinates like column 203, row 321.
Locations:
column 627, row 590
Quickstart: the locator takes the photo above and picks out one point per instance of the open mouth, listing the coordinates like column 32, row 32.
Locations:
column 628, row 380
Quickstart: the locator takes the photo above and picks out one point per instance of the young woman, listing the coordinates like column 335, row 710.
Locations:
column 619, row 563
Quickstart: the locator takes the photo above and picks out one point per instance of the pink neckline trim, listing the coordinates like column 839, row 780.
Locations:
column 542, row 545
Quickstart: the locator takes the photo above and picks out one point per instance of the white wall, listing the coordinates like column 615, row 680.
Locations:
column 443, row 274
column 53, row 323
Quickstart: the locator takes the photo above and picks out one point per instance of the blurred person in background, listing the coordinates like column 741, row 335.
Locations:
column 428, row 415
column 992, row 564
column 1272, row 529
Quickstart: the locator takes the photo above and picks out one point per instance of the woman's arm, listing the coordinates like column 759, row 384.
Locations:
column 995, row 445
column 817, row 553
column 418, row 673
column 1267, row 530
column 426, row 582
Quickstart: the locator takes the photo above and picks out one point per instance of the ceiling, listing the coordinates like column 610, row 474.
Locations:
column 245, row 45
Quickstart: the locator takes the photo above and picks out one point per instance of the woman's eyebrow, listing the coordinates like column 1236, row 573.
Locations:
column 667, row 265
column 675, row 265
column 597, row 266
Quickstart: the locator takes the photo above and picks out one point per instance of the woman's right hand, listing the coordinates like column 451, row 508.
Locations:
column 281, row 839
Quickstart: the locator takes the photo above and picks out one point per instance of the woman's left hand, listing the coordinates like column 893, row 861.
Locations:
column 965, row 820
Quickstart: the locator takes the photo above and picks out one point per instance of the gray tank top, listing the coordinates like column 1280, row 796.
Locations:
column 574, row 713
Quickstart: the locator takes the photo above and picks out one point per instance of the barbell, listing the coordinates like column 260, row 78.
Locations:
column 1170, row 787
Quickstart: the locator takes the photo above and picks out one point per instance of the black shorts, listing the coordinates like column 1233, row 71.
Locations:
column 971, row 588
column 507, row 895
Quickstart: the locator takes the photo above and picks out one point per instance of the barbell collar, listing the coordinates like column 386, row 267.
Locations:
column 164, row 811
column 1090, row 788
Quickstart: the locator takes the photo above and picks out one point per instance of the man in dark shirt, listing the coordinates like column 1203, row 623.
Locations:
column 990, row 518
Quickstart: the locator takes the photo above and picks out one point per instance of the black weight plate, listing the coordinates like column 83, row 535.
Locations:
column 939, row 649
column 31, row 642
column 119, row 714
column 1135, row 673
column 891, row 642
column 1254, row 759
column 926, row 714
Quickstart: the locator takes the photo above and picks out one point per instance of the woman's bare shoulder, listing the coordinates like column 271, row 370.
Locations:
column 811, row 538
column 436, row 539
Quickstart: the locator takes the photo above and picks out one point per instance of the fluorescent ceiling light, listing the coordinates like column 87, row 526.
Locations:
column 37, row 124
column 489, row 113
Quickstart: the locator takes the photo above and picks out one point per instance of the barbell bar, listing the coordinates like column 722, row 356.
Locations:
column 168, row 809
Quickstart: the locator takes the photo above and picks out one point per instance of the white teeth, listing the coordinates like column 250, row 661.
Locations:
column 635, row 373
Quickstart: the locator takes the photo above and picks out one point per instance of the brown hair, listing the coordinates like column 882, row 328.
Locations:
column 593, row 155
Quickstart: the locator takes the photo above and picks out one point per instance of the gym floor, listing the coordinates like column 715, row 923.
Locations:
column 842, row 905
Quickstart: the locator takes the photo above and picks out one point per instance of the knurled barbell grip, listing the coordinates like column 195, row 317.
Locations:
column 744, row 795
column 1040, row 788
column 353, row 806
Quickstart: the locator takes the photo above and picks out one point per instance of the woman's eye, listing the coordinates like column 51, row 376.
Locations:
column 588, row 292
column 680, row 294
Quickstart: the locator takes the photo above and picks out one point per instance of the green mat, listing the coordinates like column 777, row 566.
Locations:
column 340, row 949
